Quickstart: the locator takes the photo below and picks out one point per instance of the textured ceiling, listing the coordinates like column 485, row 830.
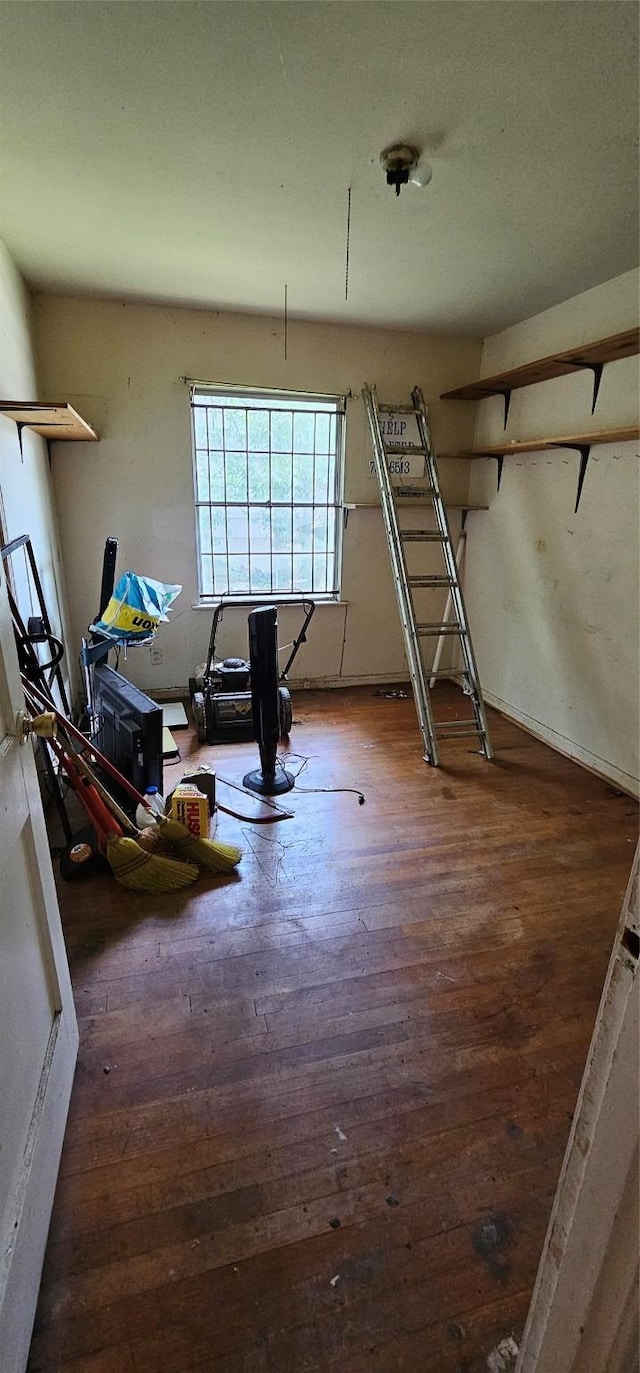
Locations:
column 203, row 152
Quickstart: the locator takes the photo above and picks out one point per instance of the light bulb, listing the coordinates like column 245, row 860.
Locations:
column 421, row 174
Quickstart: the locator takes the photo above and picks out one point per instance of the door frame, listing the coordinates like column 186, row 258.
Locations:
column 24, row 1225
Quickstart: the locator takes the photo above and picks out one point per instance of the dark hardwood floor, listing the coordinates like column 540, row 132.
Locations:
column 320, row 1108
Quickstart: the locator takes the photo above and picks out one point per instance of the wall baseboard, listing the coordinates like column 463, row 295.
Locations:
column 599, row 767
column 332, row 683
column 302, row 684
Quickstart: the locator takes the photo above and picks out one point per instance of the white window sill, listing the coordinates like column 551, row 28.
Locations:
column 239, row 601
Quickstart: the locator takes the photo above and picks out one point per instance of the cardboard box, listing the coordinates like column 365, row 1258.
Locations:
column 191, row 807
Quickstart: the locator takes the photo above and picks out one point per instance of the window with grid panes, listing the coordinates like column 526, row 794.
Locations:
column 268, row 482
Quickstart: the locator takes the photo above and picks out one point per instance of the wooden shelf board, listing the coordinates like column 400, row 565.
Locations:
column 375, row 505
column 610, row 349
column 59, row 421
column 498, row 450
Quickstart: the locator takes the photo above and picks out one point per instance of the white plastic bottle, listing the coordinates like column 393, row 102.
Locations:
column 144, row 816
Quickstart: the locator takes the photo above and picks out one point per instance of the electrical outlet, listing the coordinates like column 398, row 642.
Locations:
column 155, row 654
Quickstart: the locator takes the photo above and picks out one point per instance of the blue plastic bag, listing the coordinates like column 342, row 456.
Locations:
column 138, row 605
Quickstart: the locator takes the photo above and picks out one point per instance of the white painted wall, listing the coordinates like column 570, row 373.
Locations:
column 25, row 486
column 553, row 595
column 121, row 364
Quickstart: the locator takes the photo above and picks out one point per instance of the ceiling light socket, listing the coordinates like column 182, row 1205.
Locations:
column 398, row 161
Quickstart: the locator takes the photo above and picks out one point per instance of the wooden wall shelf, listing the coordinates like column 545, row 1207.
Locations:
column 582, row 443
column 417, row 501
column 495, row 450
column 58, row 421
column 590, row 357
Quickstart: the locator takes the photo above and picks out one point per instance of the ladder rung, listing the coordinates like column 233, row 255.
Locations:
column 411, row 492
column 422, row 536
column 442, row 672
column 412, row 449
column 432, row 581
column 460, row 733
column 448, row 627
column 459, row 724
column 396, row 410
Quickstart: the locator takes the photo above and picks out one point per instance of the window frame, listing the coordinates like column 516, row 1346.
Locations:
column 332, row 404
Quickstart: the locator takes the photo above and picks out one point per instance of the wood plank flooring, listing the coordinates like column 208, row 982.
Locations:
column 320, row 1107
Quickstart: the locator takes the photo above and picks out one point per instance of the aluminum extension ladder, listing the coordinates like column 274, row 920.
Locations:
column 414, row 629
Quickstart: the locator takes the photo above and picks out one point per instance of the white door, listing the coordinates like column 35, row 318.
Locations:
column 585, row 1310
column 38, row 1030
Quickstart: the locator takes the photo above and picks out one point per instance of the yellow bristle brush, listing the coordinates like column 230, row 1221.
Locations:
column 141, row 871
column 208, row 853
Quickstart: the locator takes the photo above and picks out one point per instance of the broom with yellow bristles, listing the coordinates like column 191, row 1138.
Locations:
column 207, row 853
column 130, row 864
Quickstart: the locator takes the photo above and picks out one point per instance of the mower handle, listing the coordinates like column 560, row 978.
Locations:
column 223, row 604
column 301, row 638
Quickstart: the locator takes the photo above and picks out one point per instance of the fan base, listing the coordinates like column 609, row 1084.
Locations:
column 269, row 786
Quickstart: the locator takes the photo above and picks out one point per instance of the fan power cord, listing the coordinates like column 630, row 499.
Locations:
column 304, row 762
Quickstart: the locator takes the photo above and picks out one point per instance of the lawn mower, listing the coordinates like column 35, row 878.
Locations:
column 221, row 691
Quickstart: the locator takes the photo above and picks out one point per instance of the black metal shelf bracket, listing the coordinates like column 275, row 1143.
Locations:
column 505, row 392
column 584, row 450
column 499, row 457
column 20, row 425
column 596, row 368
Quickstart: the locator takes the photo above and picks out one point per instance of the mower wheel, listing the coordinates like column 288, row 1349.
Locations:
column 199, row 717
column 285, row 711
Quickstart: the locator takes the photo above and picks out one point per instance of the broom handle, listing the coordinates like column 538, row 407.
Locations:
column 67, row 766
column 69, row 762
column 80, row 762
column 100, row 817
column 85, row 743
column 98, row 812
column 104, row 795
